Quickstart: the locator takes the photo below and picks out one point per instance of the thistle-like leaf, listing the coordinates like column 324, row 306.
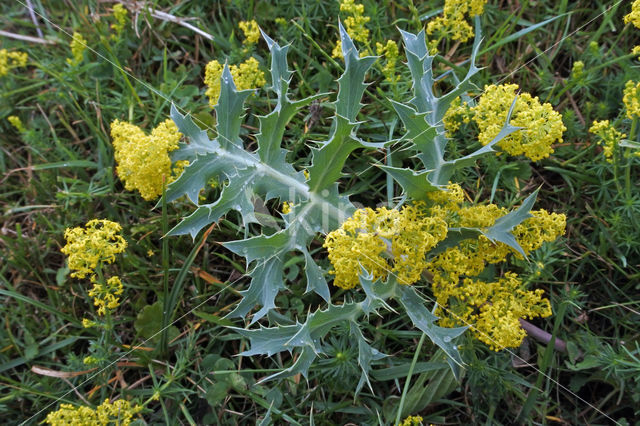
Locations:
column 425, row 321
column 501, row 229
column 330, row 157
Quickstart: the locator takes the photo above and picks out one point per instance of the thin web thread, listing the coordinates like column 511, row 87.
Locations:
column 167, row 98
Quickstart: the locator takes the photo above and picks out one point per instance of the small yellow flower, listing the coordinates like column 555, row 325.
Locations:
column 143, row 160
column 577, row 70
column 391, row 53
column 78, row 45
column 541, row 125
column 251, row 32
column 16, row 123
column 119, row 412
column 247, row 75
column 634, row 15
column 97, row 243
column 120, row 14
column 492, row 309
column 104, row 295
column 11, row 60
column 354, row 25
column 457, row 114
column 286, row 207
column 87, row 323
column 370, row 237
column 609, row 137
column 636, row 50
column 411, row 421
column 631, row 99
column 90, row 360
column 453, row 25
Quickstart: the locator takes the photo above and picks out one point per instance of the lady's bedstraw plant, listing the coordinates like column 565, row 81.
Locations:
column 88, row 250
column 434, row 235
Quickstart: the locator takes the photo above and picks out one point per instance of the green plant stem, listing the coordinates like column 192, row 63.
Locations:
column 408, row 380
column 166, row 311
column 627, row 170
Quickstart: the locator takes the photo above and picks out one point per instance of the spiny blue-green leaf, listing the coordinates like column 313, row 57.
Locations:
column 199, row 142
column 351, row 82
column 453, row 238
column 330, row 157
column 273, row 125
column 230, row 112
column 425, row 321
column 303, row 223
column 366, row 355
column 423, row 135
column 280, row 74
column 301, row 366
column 415, row 185
column 421, row 67
column 196, row 175
column 303, row 338
column 501, row 230
column 259, row 247
column 445, row 100
column 267, row 340
column 236, row 195
column 375, row 292
column 266, row 283
column 316, row 281
column 443, row 174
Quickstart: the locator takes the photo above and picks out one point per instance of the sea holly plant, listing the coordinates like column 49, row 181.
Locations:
column 430, row 236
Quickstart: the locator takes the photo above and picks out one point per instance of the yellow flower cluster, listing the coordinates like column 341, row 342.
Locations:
column 119, row 412
column 492, row 309
column 354, row 25
column 609, row 137
column 383, row 241
column 411, row 421
column 251, row 31
column 104, row 295
column 391, row 52
column 631, row 99
column 386, row 241
column 89, row 247
column 11, row 60
column 78, row 45
column 143, row 159
column 16, row 123
column 453, row 24
column 634, row 16
column 541, row 125
column 120, row 14
column 247, row 75
column 459, row 112
column 577, row 70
